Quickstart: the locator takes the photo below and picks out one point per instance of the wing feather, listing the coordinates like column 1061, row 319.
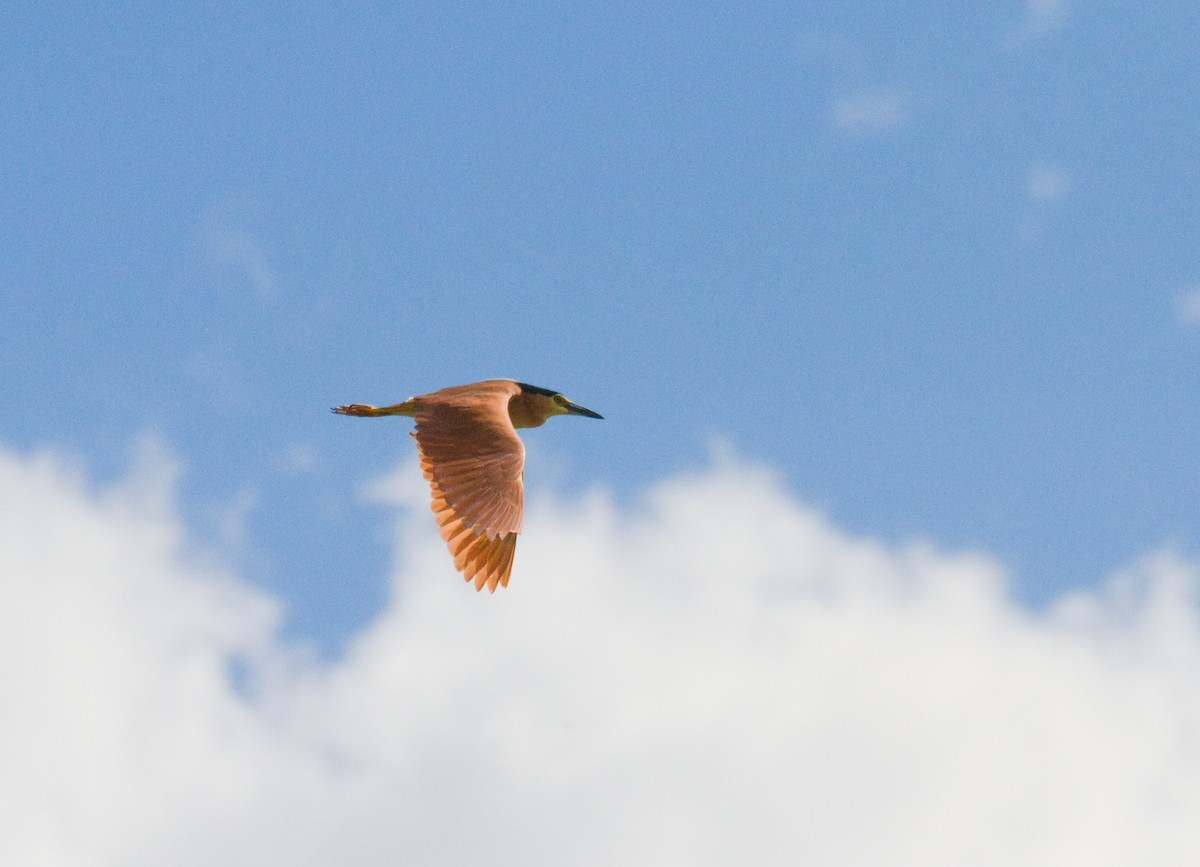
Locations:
column 473, row 460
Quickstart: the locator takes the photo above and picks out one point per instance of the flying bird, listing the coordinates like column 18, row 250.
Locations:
column 474, row 462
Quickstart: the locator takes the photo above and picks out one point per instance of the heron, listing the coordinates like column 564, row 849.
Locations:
column 474, row 462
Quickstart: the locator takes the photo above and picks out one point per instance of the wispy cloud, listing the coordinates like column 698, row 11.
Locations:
column 231, row 519
column 1039, row 19
column 217, row 372
column 1045, row 187
column 719, row 675
column 868, row 113
column 832, row 51
column 238, row 252
column 298, row 459
column 1187, row 307
column 1046, row 183
column 859, row 106
column 1042, row 16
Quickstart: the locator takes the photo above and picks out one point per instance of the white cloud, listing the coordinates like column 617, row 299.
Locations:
column 719, row 676
column 869, row 112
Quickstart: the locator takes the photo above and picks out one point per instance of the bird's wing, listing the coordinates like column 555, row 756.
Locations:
column 473, row 459
column 483, row 559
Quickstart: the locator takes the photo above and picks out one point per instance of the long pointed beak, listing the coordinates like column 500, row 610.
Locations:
column 576, row 409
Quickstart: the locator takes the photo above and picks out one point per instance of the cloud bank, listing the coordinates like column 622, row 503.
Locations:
column 716, row 676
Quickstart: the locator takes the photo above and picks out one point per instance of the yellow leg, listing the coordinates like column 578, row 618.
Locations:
column 365, row 409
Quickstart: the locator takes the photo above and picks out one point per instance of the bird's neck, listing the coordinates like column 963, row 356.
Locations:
column 525, row 412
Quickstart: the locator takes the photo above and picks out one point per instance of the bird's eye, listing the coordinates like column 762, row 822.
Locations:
column 559, row 399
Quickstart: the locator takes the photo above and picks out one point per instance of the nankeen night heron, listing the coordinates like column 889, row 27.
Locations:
column 474, row 461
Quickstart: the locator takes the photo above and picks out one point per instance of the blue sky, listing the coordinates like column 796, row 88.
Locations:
column 885, row 553
column 927, row 262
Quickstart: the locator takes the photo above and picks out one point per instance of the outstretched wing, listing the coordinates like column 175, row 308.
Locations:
column 473, row 459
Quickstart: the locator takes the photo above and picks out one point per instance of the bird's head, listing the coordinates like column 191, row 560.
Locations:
column 534, row 405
